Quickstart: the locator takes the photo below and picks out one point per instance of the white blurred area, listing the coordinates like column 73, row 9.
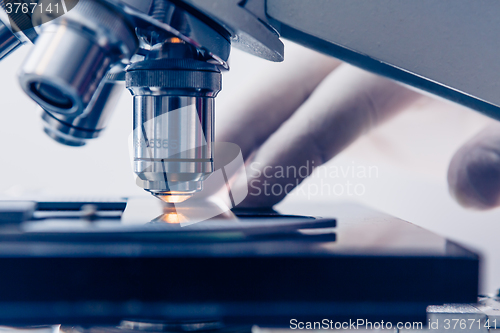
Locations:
column 411, row 153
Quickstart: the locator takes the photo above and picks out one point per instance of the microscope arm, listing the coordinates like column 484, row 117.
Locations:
column 449, row 48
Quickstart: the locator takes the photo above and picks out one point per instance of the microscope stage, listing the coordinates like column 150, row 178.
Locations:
column 62, row 265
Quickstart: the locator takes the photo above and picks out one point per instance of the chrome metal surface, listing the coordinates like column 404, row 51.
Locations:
column 248, row 28
column 197, row 30
column 76, row 131
column 173, row 120
column 73, row 54
column 173, row 138
column 8, row 41
column 19, row 21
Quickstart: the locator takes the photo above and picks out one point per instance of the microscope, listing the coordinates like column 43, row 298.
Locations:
column 170, row 54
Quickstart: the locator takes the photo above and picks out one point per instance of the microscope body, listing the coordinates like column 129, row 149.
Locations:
column 170, row 54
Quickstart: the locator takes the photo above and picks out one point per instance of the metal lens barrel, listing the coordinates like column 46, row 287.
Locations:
column 73, row 54
column 173, row 123
column 76, row 131
column 8, row 41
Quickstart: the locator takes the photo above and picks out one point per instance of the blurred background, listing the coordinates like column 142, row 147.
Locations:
column 410, row 153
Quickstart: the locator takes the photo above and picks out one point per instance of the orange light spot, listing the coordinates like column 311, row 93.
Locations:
column 172, row 218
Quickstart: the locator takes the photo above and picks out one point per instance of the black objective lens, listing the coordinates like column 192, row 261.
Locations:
column 52, row 95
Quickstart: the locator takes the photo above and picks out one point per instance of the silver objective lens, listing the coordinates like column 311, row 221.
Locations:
column 76, row 131
column 173, row 124
column 8, row 41
column 73, row 54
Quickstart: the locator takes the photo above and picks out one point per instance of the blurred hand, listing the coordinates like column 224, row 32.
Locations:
column 307, row 110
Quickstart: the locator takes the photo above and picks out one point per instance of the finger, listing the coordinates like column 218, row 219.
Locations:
column 345, row 105
column 248, row 117
column 474, row 171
